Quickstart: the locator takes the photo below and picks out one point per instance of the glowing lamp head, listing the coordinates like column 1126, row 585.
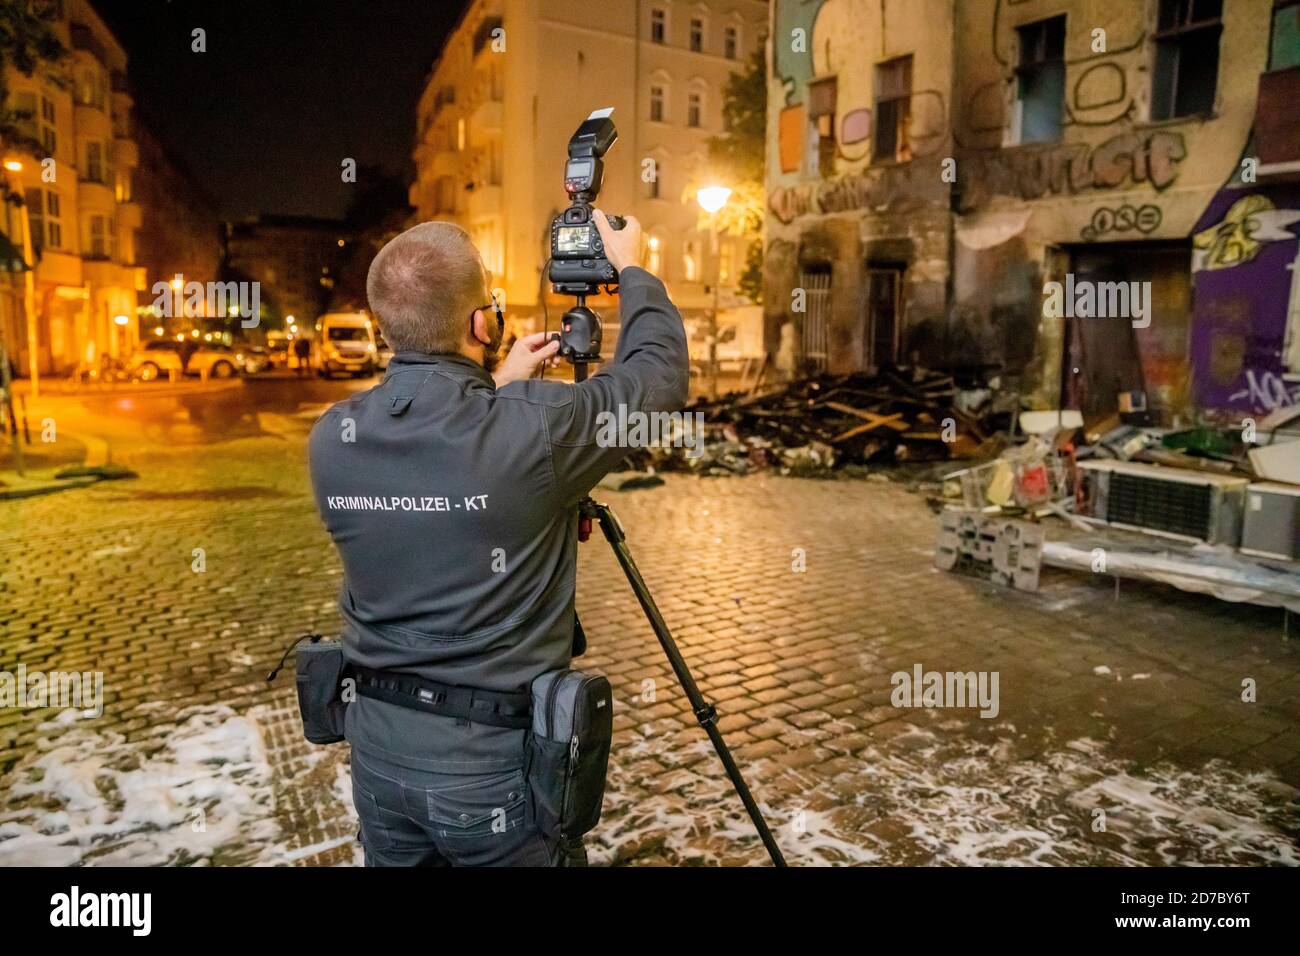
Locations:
column 713, row 198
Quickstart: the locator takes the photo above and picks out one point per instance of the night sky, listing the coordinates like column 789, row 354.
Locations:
column 286, row 90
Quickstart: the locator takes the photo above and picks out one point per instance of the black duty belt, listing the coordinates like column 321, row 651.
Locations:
column 497, row 708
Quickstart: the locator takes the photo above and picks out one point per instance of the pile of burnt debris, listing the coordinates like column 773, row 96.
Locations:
column 835, row 425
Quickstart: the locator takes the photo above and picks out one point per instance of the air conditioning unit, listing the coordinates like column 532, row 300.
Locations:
column 1272, row 526
column 1192, row 505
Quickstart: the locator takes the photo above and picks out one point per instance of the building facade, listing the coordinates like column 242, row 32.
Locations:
column 180, row 232
column 512, row 84
column 934, row 166
column 293, row 259
column 78, row 158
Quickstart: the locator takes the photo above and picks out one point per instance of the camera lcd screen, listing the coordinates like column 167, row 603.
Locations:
column 578, row 169
column 573, row 239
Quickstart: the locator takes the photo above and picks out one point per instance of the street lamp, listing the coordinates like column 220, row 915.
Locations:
column 29, row 281
column 711, row 200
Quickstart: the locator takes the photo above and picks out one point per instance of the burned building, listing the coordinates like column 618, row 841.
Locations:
column 941, row 174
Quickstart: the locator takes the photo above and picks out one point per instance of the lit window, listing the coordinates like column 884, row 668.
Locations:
column 691, row 260
column 654, row 255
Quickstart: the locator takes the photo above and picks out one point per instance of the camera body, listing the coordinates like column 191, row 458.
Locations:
column 578, row 264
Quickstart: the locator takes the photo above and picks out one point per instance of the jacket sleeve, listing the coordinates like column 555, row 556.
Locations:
column 650, row 373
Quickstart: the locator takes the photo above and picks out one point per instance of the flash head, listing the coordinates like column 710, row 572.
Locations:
column 585, row 169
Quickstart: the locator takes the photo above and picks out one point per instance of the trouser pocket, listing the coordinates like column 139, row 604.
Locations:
column 477, row 804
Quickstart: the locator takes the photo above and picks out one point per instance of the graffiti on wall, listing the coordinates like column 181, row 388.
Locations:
column 1239, row 236
column 871, row 188
column 1069, row 168
column 815, row 41
column 1108, row 221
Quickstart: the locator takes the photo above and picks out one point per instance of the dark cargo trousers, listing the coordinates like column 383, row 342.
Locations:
column 420, row 818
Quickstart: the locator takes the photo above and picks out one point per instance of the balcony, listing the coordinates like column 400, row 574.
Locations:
column 485, row 201
column 94, row 196
column 446, row 162
column 83, row 41
column 126, row 152
column 92, row 122
column 128, row 215
column 485, row 122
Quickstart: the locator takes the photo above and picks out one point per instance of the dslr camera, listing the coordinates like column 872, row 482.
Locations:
column 578, row 264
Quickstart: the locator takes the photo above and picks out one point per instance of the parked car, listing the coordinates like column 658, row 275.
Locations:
column 256, row 359
column 158, row 359
column 345, row 342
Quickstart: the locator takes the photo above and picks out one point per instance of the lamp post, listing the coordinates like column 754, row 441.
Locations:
column 29, row 282
column 711, row 200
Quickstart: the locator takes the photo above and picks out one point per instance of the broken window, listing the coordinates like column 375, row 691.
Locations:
column 821, row 121
column 1284, row 48
column 893, row 110
column 1041, row 80
column 1187, row 58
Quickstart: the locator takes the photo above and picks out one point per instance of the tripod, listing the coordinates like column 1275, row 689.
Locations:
column 705, row 712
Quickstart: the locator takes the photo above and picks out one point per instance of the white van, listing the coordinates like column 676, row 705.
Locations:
column 345, row 343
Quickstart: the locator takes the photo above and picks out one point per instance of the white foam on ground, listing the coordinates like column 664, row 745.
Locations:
column 954, row 801
column 196, row 792
column 90, row 797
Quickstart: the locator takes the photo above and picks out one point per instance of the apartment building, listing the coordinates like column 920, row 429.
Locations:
column 294, row 259
column 513, row 82
column 78, row 158
column 933, row 165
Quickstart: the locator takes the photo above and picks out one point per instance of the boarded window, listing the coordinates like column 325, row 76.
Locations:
column 821, row 118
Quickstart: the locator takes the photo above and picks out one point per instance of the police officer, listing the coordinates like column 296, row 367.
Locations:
column 451, row 491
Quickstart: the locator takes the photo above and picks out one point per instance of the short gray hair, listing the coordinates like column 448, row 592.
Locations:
column 424, row 285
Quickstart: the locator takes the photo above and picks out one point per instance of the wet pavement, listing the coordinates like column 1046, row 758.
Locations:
column 1121, row 736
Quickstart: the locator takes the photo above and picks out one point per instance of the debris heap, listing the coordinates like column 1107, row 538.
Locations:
column 814, row 426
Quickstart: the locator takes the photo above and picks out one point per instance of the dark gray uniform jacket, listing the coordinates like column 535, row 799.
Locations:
column 432, row 478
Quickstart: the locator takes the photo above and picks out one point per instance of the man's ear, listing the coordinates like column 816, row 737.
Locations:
column 479, row 324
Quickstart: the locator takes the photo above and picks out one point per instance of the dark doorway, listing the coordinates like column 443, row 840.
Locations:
column 884, row 297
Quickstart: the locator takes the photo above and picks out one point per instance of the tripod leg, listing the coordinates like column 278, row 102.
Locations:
column 704, row 711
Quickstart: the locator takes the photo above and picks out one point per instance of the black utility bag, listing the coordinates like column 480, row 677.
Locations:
column 321, row 670
column 568, row 751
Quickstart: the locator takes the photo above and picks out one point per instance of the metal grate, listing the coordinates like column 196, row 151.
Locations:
column 1172, row 506
column 817, row 286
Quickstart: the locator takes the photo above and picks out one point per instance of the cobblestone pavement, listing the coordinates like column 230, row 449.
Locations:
column 1121, row 735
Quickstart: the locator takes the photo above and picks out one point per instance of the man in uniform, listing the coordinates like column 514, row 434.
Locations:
column 452, row 492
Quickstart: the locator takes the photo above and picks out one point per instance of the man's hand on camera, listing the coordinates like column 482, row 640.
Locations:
column 622, row 246
column 526, row 356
